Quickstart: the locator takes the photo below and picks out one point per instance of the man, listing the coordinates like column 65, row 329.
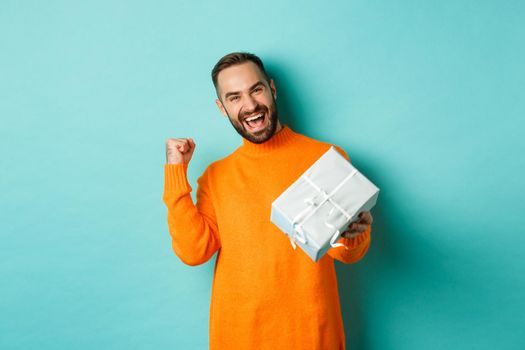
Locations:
column 265, row 295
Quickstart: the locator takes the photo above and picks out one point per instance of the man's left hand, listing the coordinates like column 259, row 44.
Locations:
column 359, row 226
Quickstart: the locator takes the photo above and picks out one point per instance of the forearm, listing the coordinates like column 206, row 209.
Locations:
column 194, row 235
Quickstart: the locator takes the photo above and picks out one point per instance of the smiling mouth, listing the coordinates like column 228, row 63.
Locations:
column 255, row 122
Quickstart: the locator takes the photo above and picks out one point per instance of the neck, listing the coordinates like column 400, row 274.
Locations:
column 279, row 127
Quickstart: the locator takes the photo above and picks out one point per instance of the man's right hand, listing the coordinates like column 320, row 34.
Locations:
column 179, row 150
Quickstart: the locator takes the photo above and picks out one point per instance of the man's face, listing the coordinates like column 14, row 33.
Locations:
column 248, row 100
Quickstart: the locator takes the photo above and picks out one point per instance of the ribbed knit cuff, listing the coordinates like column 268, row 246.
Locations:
column 176, row 180
column 357, row 240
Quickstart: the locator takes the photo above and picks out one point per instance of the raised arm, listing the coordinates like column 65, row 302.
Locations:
column 193, row 227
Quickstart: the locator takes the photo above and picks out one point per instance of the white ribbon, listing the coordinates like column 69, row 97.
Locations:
column 298, row 233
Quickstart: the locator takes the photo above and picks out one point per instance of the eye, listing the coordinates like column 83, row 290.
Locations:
column 234, row 98
column 257, row 89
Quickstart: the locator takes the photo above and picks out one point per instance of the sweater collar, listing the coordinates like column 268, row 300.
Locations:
column 279, row 139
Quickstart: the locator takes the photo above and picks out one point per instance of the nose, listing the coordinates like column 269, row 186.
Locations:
column 250, row 103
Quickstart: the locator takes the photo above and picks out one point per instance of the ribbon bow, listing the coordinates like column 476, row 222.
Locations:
column 298, row 233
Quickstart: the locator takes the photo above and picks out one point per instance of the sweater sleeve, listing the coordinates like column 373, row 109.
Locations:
column 193, row 227
column 356, row 247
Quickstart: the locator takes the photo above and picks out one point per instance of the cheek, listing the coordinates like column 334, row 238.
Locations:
column 236, row 111
column 268, row 100
column 232, row 110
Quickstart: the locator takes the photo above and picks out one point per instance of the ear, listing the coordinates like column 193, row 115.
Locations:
column 274, row 90
column 221, row 107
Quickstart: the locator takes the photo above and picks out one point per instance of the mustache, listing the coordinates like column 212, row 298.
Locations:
column 257, row 109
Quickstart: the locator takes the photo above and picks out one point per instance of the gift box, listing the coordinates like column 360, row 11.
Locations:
column 321, row 203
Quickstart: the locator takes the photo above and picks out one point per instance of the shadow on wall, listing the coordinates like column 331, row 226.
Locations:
column 289, row 104
column 389, row 256
column 288, row 100
column 353, row 297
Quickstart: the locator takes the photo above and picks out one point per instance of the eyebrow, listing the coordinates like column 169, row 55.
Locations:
column 238, row 92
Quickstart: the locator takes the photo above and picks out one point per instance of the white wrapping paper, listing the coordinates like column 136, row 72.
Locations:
column 320, row 205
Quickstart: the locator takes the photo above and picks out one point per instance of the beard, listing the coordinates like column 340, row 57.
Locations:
column 264, row 134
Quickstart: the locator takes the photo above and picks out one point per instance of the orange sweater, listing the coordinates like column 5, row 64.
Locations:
column 265, row 294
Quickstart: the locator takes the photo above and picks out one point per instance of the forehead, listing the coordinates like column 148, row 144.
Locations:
column 239, row 77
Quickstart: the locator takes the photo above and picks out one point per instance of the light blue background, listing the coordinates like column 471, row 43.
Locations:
column 426, row 98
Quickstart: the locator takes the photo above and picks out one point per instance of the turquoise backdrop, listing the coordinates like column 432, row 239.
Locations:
column 427, row 98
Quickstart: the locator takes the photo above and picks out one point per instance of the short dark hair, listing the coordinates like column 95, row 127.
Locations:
column 232, row 59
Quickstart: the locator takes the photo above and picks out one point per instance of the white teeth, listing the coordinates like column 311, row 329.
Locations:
column 253, row 118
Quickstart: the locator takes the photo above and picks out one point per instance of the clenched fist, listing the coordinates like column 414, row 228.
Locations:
column 179, row 150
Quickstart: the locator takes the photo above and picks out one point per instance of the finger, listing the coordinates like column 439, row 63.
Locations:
column 356, row 227
column 365, row 218
column 184, row 145
column 176, row 142
column 189, row 145
column 348, row 234
column 353, row 226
